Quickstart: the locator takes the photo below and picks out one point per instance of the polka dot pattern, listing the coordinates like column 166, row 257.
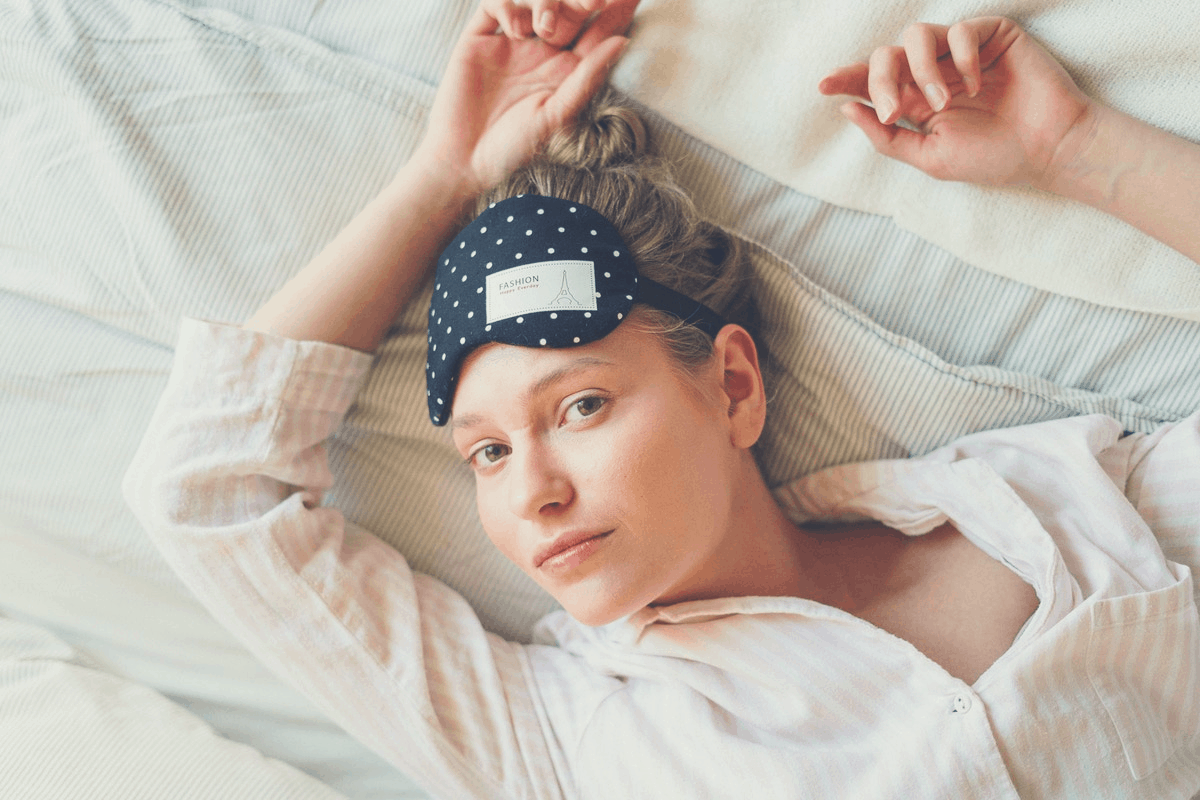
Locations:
column 526, row 232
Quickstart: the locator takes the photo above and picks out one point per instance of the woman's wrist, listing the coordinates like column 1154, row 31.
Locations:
column 1134, row 171
column 428, row 180
column 350, row 293
column 1086, row 164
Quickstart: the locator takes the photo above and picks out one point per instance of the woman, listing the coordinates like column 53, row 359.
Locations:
column 968, row 636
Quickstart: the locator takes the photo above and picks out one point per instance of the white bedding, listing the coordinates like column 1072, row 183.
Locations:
column 159, row 159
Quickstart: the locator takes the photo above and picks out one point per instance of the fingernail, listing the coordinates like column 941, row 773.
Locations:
column 936, row 96
column 971, row 85
column 547, row 23
column 883, row 110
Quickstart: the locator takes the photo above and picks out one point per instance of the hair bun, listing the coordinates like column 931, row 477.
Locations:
column 608, row 133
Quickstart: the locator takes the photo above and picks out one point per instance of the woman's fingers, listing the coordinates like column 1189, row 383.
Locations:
column 886, row 70
column 544, row 14
column 932, row 59
column 584, row 80
column 485, row 20
column 850, row 79
column 584, row 22
column 922, row 45
column 963, row 40
column 513, row 19
column 614, row 20
column 556, row 22
column 892, row 140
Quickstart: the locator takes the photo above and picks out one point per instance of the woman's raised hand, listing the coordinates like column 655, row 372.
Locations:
column 519, row 72
column 502, row 94
column 990, row 105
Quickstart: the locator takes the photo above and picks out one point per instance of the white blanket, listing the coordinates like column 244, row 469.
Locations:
column 742, row 77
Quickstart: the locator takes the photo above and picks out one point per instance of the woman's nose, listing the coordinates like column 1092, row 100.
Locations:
column 537, row 484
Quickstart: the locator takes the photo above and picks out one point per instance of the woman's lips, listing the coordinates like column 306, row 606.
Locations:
column 568, row 551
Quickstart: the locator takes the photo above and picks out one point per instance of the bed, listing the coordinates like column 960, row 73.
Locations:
column 169, row 158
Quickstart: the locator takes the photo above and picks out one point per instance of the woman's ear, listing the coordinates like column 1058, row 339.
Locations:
column 735, row 352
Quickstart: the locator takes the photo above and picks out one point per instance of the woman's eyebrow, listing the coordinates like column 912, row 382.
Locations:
column 543, row 383
column 550, row 378
column 466, row 421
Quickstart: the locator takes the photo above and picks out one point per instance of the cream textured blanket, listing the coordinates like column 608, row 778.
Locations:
column 742, row 77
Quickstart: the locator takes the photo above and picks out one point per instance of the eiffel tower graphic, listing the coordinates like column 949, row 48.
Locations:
column 565, row 299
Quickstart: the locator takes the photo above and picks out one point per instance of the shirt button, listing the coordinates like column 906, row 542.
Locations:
column 962, row 704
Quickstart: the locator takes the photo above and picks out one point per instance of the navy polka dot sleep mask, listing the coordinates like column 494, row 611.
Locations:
column 536, row 271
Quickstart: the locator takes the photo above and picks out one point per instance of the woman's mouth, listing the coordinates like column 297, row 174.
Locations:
column 568, row 551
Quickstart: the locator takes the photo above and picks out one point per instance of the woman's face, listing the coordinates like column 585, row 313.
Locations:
column 603, row 450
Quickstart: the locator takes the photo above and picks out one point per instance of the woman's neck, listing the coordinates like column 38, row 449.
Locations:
column 765, row 554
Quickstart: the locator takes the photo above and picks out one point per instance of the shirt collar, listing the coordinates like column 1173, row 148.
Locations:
column 629, row 629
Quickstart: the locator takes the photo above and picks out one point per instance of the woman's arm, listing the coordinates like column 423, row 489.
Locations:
column 503, row 93
column 1136, row 172
column 992, row 106
column 229, row 478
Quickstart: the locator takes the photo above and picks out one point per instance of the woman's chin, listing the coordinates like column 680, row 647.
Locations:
column 595, row 611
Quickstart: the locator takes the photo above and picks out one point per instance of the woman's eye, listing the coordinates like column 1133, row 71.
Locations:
column 586, row 406
column 488, row 454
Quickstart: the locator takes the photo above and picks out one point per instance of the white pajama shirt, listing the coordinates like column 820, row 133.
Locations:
column 764, row 697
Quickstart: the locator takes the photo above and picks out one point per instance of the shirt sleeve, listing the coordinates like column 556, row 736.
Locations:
column 228, row 483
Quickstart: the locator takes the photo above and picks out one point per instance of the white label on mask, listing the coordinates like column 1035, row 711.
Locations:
column 544, row 286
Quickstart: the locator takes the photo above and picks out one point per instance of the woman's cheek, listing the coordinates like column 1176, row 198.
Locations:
column 498, row 526
column 649, row 463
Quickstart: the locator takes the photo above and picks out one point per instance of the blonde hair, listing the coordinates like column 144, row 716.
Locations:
column 606, row 161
